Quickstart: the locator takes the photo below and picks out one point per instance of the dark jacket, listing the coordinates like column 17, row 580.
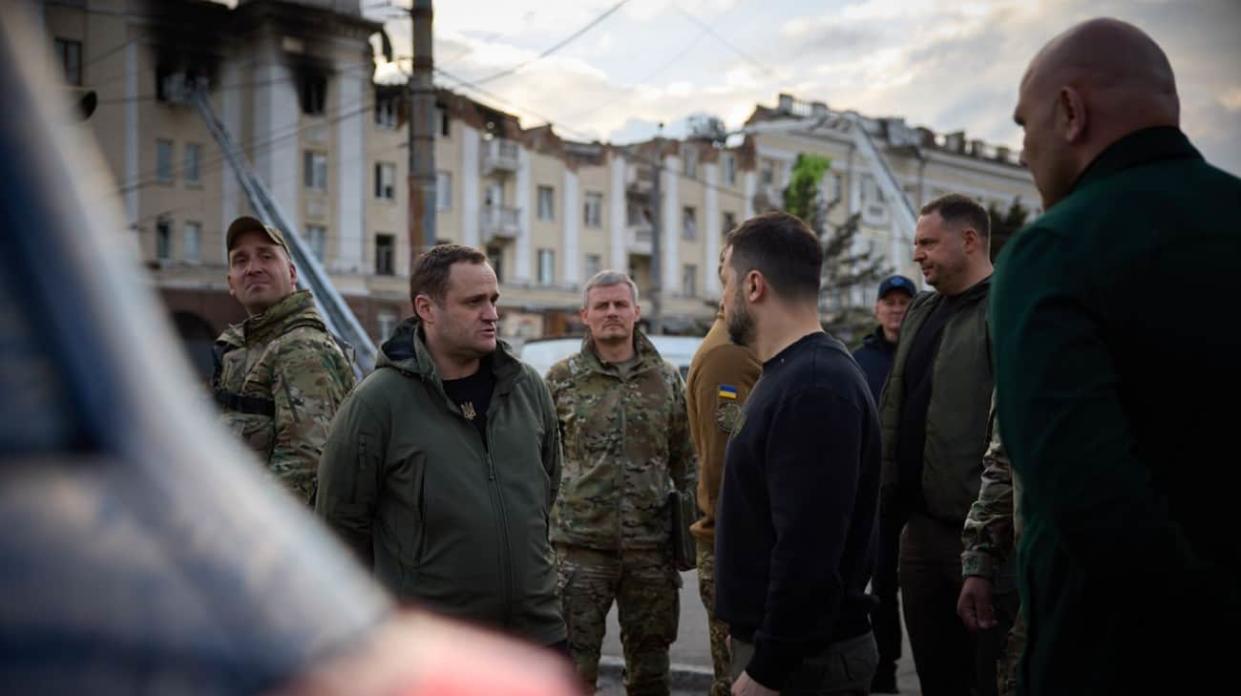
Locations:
column 408, row 484
column 874, row 356
column 797, row 512
column 1105, row 311
column 956, row 419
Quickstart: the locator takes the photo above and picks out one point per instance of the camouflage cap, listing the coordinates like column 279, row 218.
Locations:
column 245, row 223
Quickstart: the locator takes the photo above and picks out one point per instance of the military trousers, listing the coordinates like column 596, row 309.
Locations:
column 721, row 685
column 949, row 659
column 645, row 586
column 844, row 668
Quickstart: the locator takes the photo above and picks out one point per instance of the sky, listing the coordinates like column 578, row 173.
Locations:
column 944, row 64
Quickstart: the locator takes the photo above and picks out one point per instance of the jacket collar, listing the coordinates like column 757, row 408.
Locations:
column 407, row 352
column 298, row 306
column 645, row 352
column 1140, row 147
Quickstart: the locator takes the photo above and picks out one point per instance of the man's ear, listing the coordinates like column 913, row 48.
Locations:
column 1071, row 111
column 971, row 240
column 755, row 287
column 423, row 308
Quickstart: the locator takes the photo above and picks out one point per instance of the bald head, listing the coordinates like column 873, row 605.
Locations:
column 1089, row 87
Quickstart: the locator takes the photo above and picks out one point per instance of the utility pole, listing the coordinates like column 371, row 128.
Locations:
column 657, row 250
column 422, row 129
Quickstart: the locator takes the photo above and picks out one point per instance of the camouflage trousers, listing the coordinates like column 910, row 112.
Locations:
column 1010, row 661
column 722, row 684
column 644, row 585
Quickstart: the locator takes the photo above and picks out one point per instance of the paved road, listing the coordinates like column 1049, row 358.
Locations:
column 692, row 650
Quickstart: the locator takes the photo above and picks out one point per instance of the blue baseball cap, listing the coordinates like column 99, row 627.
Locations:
column 897, row 282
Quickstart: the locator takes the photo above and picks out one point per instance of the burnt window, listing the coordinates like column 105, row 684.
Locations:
column 312, row 92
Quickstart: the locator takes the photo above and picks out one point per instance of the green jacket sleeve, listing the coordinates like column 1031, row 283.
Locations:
column 350, row 475
column 988, row 533
column 551, row 447
column 308, row 384
column 680, row 447
column 1060, row 410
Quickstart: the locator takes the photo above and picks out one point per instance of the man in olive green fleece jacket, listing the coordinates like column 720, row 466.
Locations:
column 933, row 415
column 1116, row 343
column 441, row 468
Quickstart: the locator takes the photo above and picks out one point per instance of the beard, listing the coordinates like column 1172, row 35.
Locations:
column 741, row 329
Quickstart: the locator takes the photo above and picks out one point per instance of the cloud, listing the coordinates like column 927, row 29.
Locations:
column 1231, row 99
column 945, row 64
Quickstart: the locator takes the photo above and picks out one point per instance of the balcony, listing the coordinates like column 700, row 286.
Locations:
column 638, row 238
column 499, row 222
column 499, row 155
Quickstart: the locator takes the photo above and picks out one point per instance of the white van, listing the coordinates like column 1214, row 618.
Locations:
column 542, row 353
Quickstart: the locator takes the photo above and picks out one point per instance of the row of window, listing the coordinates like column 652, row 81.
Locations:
column 690, row 166
column 190, row 251
column 165, row 162
column 314, row 178
column 594, row 264
column 191, row 241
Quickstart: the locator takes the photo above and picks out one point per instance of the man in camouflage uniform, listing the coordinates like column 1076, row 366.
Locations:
column 991, row 532
column 279, row 375
column 622, row 413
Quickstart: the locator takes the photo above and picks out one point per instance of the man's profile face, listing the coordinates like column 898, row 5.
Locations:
column 939, row 250
column 890, row 311
column 465, row 322
column 260, row 273
column 737, row 317
column 610, row 313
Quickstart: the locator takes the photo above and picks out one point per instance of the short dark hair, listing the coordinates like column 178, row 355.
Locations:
column 956, row 209
column 783, row 249
column 433, row 266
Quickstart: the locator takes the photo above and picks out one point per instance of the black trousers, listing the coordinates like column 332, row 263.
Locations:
column 950, row 660
column 886, row 616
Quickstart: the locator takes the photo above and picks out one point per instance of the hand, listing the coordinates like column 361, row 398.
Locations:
column 974, row 605
column 745, row 686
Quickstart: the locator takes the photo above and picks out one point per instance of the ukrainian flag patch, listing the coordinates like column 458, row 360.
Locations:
column 727, row 391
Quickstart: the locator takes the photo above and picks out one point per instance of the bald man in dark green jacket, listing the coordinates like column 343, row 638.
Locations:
column 1114, row 326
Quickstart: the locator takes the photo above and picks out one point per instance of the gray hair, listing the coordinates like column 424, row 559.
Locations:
column 608, row 278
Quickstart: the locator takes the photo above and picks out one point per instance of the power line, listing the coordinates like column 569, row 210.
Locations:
column 750, row 59
column 556, row 47
column 651, row 75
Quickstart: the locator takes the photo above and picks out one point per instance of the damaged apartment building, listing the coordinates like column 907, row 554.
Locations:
column 293, row 83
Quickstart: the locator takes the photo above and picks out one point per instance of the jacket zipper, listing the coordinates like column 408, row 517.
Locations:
column 506, row 564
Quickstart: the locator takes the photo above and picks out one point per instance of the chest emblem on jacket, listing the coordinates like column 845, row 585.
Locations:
column 467, row 410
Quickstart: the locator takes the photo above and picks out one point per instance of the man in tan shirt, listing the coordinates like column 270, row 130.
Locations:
column 720, row 377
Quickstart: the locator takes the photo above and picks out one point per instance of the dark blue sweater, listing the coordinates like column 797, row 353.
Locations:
column 798, row 507
column 875, row 358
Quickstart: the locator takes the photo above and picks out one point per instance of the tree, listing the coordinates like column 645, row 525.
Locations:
column 1005, row 225
column 847, row 266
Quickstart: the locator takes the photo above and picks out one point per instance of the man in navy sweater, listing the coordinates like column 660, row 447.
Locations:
column 797, row 514
column 875, row 358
